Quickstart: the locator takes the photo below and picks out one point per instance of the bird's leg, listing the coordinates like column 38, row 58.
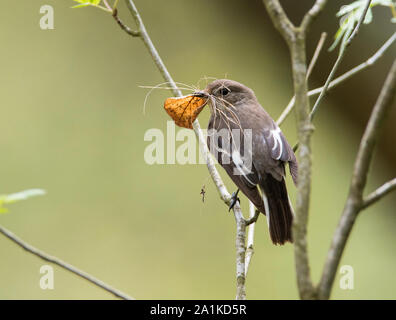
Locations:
column 234, row 200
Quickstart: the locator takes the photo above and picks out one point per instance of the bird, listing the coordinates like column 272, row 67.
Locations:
column 253, row 151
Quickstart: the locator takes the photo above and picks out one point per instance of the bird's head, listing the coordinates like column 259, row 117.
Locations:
column 226, row 93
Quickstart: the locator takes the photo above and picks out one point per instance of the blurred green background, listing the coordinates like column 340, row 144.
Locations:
column 73, row 124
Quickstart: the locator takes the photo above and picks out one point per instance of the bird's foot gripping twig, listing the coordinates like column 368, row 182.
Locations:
column 234, row 200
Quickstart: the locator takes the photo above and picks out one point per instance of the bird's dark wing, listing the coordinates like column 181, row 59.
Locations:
column 247, row 183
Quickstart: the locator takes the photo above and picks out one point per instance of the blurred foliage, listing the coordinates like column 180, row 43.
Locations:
column 350, row 15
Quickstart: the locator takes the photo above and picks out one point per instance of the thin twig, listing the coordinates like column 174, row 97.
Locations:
column 44, row 256
column 240, row 253
column 253, row 219
column 312, row 14
column 368, row 63
column 123, row 26
column 355, row 200
column 312, row 64
column 376, row 195
column 357, row 28
column 107, row 5
column 365, row 65
column 316, row 54
column 253, row 215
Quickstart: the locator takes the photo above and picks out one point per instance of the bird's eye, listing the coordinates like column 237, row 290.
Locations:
column 224, row 91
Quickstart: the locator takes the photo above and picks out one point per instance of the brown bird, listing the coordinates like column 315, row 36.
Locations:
column 252, row 149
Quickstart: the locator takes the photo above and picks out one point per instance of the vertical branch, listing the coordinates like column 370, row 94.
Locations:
column 305, row 130
column 253, row 215
column 240, row 253
column 243, row 254
column 355, row 202
column 295, row 38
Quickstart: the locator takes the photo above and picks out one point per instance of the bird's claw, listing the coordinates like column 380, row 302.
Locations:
column 234, row 200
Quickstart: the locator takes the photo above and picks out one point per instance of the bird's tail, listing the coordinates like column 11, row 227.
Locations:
column 278, row 209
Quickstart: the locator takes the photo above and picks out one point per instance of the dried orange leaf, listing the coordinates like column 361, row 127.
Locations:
column 184, row 110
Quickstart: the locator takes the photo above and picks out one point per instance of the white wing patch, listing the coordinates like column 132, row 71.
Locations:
column 278, row 141
column 274, row 140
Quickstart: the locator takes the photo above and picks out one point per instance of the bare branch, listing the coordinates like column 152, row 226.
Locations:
column 368, row 63
column 280, row 20
column 107, row 5
column 240, row 252
column 379, row 193
column 355, row 201
column 357, row 28
column 295, row 38
column 123, row 26
column 46, row 257
column 365, row 65
column 253, row 215
column 312, row 64
column 316, row 54
column 312, row 14
column 305, row 130
column 253, row 219
column 340, row 57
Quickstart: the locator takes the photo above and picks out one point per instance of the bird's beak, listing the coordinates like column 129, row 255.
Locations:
column 200, row 94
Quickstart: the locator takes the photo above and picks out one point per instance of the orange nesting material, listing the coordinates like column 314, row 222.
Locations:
column 184, row 110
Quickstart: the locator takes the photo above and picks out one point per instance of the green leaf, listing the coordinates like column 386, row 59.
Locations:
column 89, row 2
column 23, row 195
column 86, row 3
column 369, row 16
column 19, row 196
column 350, row 15
column 337, row 38
column 350, row 7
